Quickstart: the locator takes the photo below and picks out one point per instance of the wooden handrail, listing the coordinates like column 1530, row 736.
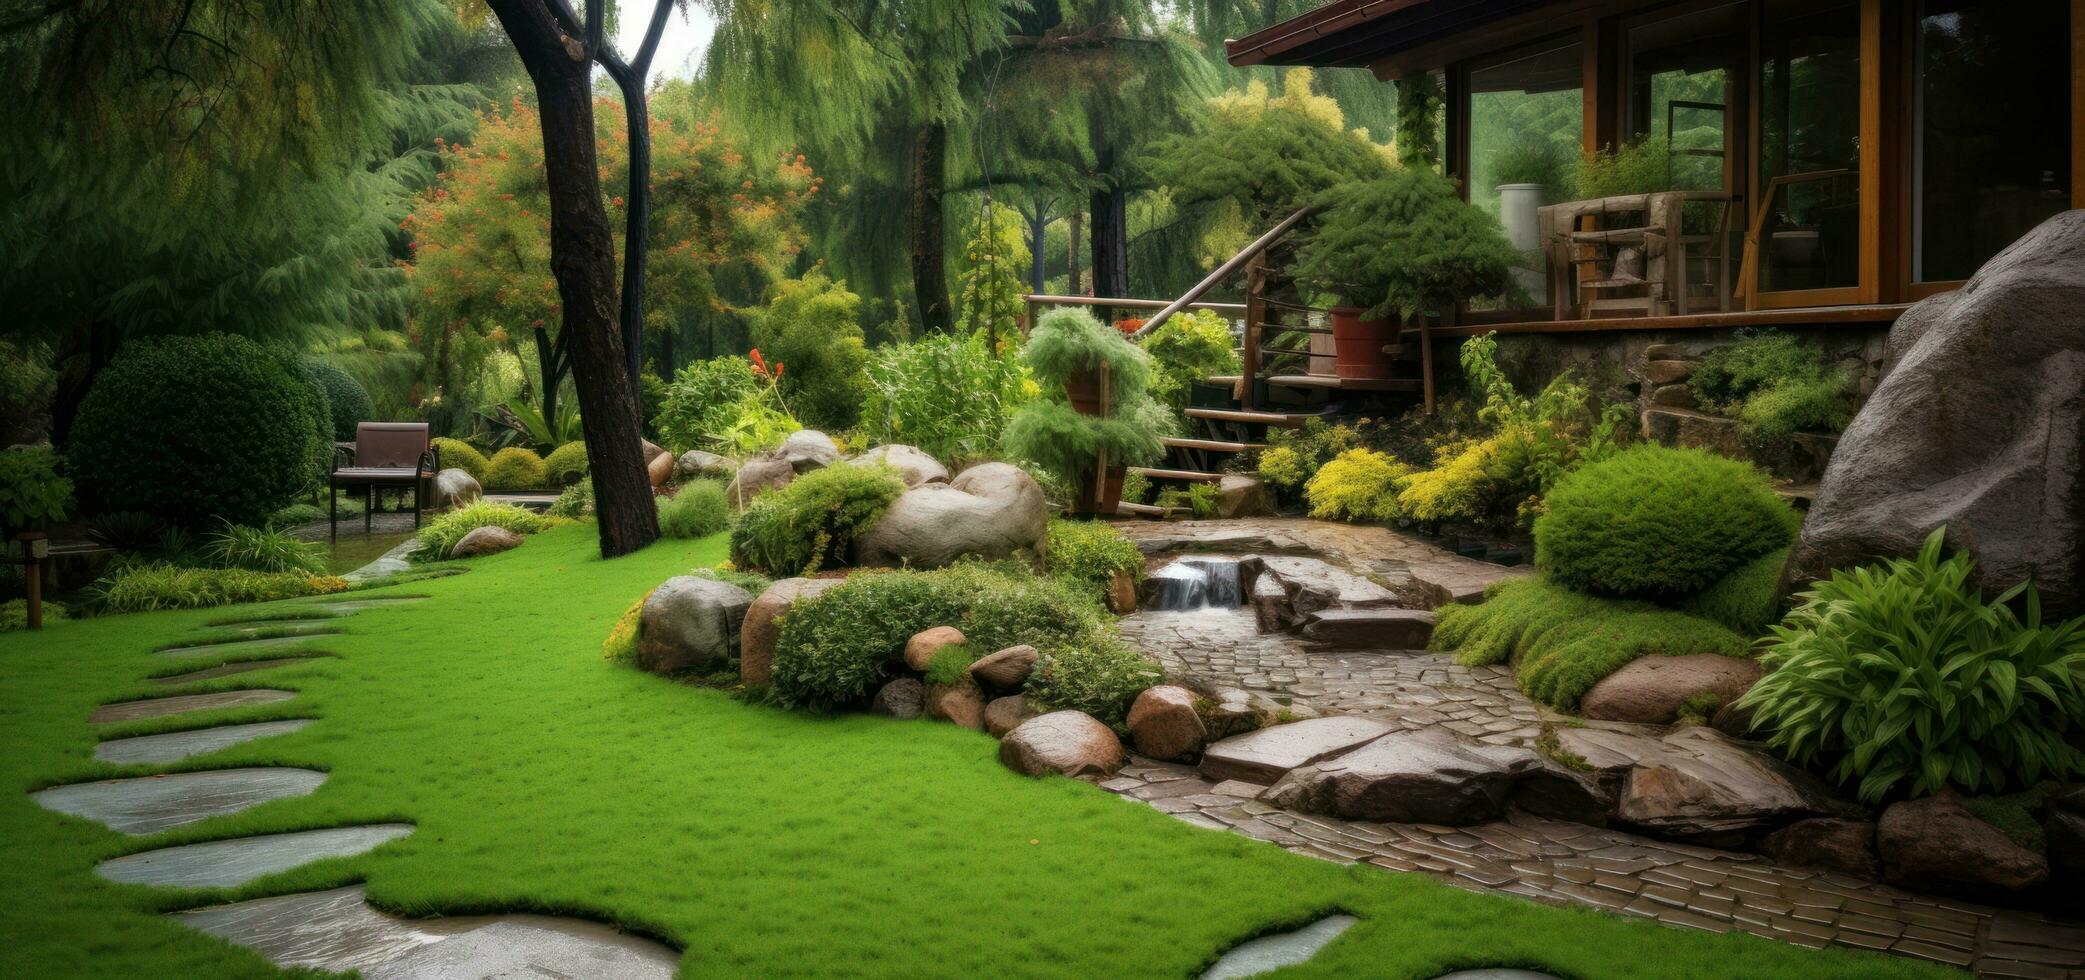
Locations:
column 1045, row 299
column 1226, row 270
column 1748, row 268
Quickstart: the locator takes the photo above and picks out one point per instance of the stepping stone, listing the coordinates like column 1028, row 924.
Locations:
column 242, row 646
column 224, row 863
column 1497, row 974
column 1266, row 755
column 150, row 804
column 180, row 745
column 182, row 703
column 345, row 606
column 226, row 670
column 307, row 623
column 337, row 930
column 1370, row 629
column 1269, row 953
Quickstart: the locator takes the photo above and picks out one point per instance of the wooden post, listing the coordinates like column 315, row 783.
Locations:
column 1100, row 472
column 34, row 547
column 1426, row 360
column 1255, row 315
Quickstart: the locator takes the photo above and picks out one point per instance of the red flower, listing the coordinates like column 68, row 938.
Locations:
column 759, row 363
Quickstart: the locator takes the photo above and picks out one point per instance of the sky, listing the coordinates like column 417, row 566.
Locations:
column 680, row 48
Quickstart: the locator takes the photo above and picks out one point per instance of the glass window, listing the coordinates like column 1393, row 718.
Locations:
column 1809, row 153
column 1527, row 120
column 1684, row 74
column 1992, row 140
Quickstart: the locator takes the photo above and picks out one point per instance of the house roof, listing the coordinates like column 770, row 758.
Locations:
column 1354, row 33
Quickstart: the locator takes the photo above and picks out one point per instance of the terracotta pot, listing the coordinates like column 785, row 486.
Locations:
column 1083, row 391
column 1359, row 344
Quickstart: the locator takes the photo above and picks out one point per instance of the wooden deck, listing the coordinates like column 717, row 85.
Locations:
column 1877, row 314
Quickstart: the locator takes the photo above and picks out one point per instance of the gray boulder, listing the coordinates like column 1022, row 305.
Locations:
column 454, row 488
column 914, row 465
column 809, row 449
column 1068, row 743
column 992, row 510
column 1005, row 714
column 903, row 698
column 1652, row 690
column 487, row 540
column 695, row 464
column 690, row 624
column 1979, row 425
column 1425, row 776
column 755, row 477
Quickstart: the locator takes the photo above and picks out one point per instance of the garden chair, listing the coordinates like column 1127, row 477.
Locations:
column 385, row 454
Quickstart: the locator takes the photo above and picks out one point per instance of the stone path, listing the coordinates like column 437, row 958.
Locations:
column 1269, row 953
column 150, row 804
column 1369, row 550
column 174, row 746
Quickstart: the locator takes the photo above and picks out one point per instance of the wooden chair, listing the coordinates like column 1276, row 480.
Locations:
column 385, row 454
column 1630, row 255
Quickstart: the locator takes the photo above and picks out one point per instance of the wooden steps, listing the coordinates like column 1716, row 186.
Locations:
column 1211, row 445
column 1281, row 420
column 1176, row 476
column 1335, row 383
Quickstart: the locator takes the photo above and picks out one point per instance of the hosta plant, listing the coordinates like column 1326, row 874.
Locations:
column 1903, row 679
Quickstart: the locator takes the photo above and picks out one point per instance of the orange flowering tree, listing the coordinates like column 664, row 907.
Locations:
column 480, row 267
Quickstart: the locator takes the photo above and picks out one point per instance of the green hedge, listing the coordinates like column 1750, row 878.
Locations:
column 566, row 465
column 347, row 402
column 515, row 468
column 458, row 454
column 812, row 522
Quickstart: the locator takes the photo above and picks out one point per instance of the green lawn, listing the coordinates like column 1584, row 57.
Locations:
column 763, row 843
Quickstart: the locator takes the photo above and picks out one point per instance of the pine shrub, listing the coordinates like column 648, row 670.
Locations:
column 515, row 468
column 813, row 521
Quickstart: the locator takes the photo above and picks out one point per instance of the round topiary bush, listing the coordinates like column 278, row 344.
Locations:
column 514, row 468
column 1659, row 523
column 566, row 464
column 346, row 399
column 193, row 428
column 461, row 455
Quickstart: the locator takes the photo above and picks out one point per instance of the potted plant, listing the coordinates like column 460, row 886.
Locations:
column 1096, row 415
column 1395, row 249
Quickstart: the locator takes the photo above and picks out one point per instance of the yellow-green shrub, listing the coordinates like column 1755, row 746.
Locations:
column 621, row 646
column 1457, row 488
column 514, row 468
column 461, row 455
column 1281, row 467
column 1357, row 485
column 566, row 464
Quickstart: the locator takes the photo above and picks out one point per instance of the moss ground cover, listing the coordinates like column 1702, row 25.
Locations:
column 764, row 843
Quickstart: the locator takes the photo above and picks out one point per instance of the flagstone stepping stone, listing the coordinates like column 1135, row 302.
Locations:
column 345, row 606
column 183, row 703
column 243, row 646
column 226, row 670
column 1266, row 755
column 310, row 624
column 338, row 930
column 150, row 804
column 1497, row 974
column 224, row 863
column 1269, row 953
column 171, row 746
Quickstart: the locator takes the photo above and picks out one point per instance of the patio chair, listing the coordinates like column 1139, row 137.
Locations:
column 385, row 454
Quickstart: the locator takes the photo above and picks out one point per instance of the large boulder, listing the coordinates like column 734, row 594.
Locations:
column 903, row 698
column 454, row 488
column 1238, row 495
column 1935, row 844
column 1268, row 754
column 914, row 465
column 660, row 469
column 1979, row 425
column 991, row 510
column 809, row 449
column 755, row 477
column 1163, row 724
column 920, row 650
column 1069, row 743
column 1006, row 670
column 763, row 625
column 1831, row 843
column 1652, row 690
column 1005, row 714
column 488, row 540
column 1698, row 784
column 690, row 624
column 696, row 464
column 1428, row 776
column 962, row 703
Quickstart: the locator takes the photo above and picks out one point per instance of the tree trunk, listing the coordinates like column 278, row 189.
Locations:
column 582, row 257
column 929, row 254
column 82, row 352
column 1074, row 221
column 636, row 230
column 1110, row 208
column 1038, row 236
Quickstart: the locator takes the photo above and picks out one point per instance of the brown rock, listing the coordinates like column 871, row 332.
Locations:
column 1006, row 670
column 1239, row 496
column 926, row 643
column 660, row 469
column 652, row 450
column 1935, row 844
column 961, row 703
column 1696, row 784
column 1673, row 396
column 1005, row 714
column 763, row 625
column 1651, row 690
column 1826, row 842
column 2066, row 833
column 487, row 540
column 1163, row 724
column 755, row 477
column 1426, row 776
column 1069, row 743
column 1266, row 755
column 1122, row 594
column 1370, row 629
column 1667, row 372
column 903, row 698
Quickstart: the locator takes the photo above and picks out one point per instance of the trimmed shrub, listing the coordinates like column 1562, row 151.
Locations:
column 802, row 527
column 1656, row 522
column 1089, row 553
column 698, row 510
column 441, row 534
column 461, row 455
column 1747, row 600
column 347, row 402
column 1101, row 677
column 566, row 465
column 158, row 585
column 1564, row 642
column 260, row 549
column 1902, row 679
column 1357, row 485
column 191, row 428
column 515, row 468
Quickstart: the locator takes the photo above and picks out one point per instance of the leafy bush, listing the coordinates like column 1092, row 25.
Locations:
column 1293, row 456
column 748, row 581
column 566, row 465
column 574, row 501
column 701, row 401
column 1190, row 346
column 1090, row 553
column 260, row 549
column 441, row 534
column 810, row 326
column 950, row 396
column 1747, row 600
column 1358, row 485
column 126, row 530
column 191, row 428
column 1100, row 677
column 515, row 468
column 14, row 614
column 1657, row 522
column 1069, row 341
column 461, row 455
column 802, row 527
column 157, row 585
column 835, row 648
column 1199, row 500
column 1283, row 468
column 697, row 510
column 32, row 494
column 1563, row 642
column 994, row 259
column 1901, row 676
column 347, row 402
column 1058, row 439
column 1775, row 383
column 1640, row 166
column 1405, row 245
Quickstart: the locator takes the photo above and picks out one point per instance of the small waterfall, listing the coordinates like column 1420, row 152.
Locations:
column 1198, row 582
